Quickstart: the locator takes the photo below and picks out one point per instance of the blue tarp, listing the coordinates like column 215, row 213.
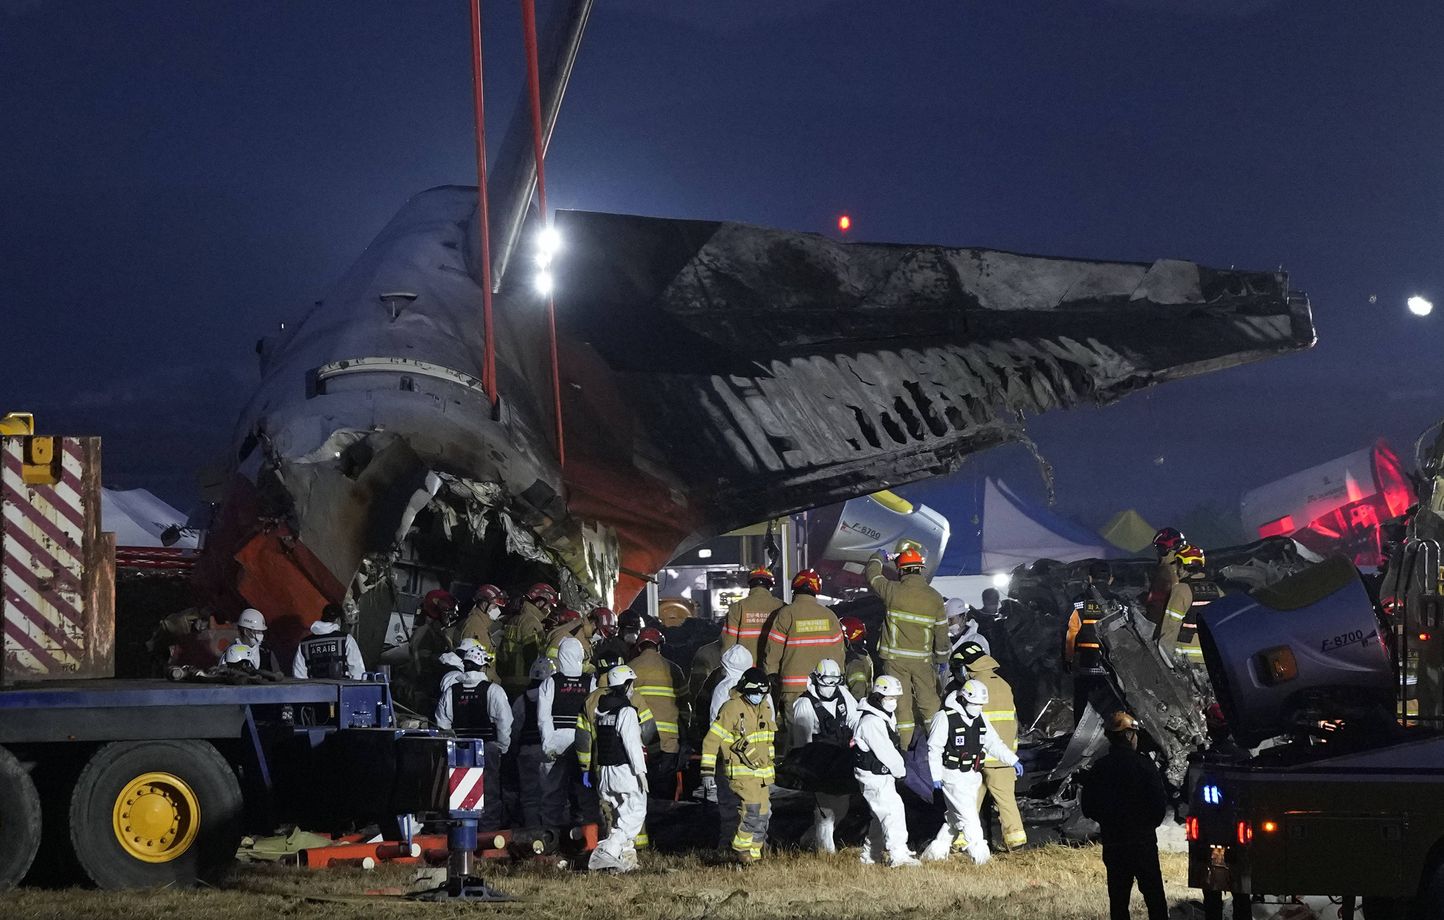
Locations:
column 995, row 529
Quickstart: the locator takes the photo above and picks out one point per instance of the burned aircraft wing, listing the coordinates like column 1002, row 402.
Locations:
column 712, row 375
column 757, row 372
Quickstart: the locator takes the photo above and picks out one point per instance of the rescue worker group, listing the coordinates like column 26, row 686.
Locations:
column 596, row 720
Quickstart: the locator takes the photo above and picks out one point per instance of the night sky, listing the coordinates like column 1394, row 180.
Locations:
column 177, row 178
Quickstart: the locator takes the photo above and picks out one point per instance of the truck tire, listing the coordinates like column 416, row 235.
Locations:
column 19, row 821
column 146, row 814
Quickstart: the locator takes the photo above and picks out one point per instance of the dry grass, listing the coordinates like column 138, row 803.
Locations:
column 1043, row 883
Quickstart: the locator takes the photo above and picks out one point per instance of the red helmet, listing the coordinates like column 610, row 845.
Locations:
column 604, row 621
column 910, row 558
column 542, row 594
column 439, row 605
column 562, row 616
column 760, row 576
column 853, row 629
column 807, row 581
column 1167, row 540
column 490, row 593
column 650, row 636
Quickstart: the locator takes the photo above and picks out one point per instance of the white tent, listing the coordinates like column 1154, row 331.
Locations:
column 139, row 519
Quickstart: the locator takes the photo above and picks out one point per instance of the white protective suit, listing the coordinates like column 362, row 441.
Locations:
column 355, row 665
column 960, row 787
column 957, row 610
column 888, row 833
column 499, row 708
column 622, row 789
column 559, row 769
column 830, row 809
column 734, row 661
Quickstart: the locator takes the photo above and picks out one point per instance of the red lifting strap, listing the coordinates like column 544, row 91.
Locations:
column 488, row 365
column 528, row 20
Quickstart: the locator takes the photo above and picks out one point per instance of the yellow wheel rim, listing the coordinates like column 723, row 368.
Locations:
column 156, row 817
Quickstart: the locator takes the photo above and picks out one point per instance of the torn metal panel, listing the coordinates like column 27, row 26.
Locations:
column 713, row 374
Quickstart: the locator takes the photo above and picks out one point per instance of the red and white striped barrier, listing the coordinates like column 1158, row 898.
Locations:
column 56, row 570
column 466, row 789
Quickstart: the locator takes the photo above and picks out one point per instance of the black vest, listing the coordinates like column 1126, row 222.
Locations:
column 610, row 752
column 867, row 761
column 530, row 730
column 325, row 655
column 568, row 695
column 1204, row 593
column 1087, row 651
column 831, row 729
column 964, row 747
column 470, row 714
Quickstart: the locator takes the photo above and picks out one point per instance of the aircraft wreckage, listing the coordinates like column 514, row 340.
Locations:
column 709, row 375
column 712, row 374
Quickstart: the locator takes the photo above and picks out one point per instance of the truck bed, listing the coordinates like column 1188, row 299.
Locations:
column 113, row 710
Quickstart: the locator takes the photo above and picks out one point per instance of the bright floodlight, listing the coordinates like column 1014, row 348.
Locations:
column 549, row 240
column 1419, row 306
column 1001, row 580
column 544, row 283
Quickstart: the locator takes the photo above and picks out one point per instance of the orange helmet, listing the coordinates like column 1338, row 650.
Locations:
column 760, row 576
column 910, row 558
column 807, row 581
column 1189, row 556
column 853, row 629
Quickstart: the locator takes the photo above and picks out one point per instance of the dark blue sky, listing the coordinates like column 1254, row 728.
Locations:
column 177, row 178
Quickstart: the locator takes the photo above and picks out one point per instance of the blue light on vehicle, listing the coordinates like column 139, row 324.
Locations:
column 1212, row 795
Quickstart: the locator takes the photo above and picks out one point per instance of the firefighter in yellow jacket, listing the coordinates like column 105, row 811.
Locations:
column 523, row 638
column 803, row 633
column 747, row 619
column 658, row 683
column 999, row 779
column 739, row 746
column 915, row 637
column 1177, row 632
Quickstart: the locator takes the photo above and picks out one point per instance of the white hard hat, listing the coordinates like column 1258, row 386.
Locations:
column 955, row 607
column 252, row 619
column 975, row 692
column 887, row 685
column 235, row 653
column 478, row 656
column 620, row 675
column 827, row 673
column 467, row 644
column 541, row 669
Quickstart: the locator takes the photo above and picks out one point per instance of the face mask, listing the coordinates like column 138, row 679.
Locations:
column 493, row 611
column 630, row 638
column 252, row 638
column 889, row 704
column 826, row 691
column 754, row 698
column 955, row 629
column 972, row 709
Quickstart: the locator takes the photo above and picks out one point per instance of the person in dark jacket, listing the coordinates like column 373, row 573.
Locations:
column 1124, row 794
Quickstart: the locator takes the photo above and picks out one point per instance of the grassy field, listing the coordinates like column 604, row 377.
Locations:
column 1051, row 882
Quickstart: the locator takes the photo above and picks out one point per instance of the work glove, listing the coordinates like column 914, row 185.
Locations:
column 1018, row 769
column 586, row 779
